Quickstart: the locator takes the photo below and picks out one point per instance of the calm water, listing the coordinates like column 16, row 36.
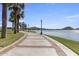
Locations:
column 62, row 33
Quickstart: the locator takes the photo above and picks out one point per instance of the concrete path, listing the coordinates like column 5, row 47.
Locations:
column 35, row 45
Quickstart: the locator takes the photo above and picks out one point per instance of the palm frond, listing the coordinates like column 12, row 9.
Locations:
column 11, row 18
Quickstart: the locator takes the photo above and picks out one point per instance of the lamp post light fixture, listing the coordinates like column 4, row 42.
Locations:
column 41, row 28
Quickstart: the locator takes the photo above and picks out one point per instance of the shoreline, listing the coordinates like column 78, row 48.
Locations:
column 76, row 31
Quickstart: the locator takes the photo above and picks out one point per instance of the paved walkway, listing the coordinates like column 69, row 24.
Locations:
column 35, row 45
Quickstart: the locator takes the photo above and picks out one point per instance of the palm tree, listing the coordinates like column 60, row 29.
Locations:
column 19, row 16
column 4, row 20
column 15, row 7
column 23, row 26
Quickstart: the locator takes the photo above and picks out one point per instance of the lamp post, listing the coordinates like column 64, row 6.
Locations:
column 41, row 28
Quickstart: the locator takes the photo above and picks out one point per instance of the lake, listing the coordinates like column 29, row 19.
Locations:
column 62, row 33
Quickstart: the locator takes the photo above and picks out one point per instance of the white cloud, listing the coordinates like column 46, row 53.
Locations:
column 72, row 16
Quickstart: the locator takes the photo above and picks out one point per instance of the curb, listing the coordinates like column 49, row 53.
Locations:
column 7, row 48
column 67, row 51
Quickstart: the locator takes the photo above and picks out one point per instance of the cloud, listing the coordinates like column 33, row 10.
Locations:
column 72, row 16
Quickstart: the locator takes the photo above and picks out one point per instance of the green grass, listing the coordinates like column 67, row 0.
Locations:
column 73, row 45
column 10, row 38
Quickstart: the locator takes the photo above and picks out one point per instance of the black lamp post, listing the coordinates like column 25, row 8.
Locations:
column 41, row 28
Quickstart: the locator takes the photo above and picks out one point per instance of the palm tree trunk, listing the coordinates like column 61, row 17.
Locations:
column 17, row 25
column 15, row 22
column 4, row 20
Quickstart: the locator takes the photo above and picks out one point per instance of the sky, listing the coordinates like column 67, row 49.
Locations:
column 54, row 15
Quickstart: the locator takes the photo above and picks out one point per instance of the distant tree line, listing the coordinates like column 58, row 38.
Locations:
column 65, row 28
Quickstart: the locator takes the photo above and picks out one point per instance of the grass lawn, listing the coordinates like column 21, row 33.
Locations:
column 10, row 38
column 73, row 45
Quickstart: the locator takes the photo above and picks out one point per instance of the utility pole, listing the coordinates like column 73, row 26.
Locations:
column 41, row 28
